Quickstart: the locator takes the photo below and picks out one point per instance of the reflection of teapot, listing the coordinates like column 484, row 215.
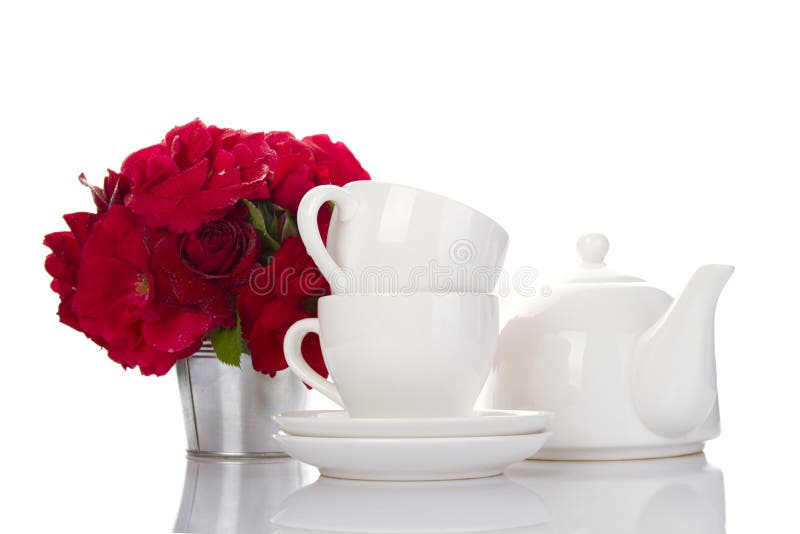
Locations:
column 628, row 371
column 236, row 496
column 480, row 505
column 671, row 495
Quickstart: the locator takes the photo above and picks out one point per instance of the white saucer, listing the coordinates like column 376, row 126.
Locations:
column 338, row 424
column 412, row 458
column 485, row 505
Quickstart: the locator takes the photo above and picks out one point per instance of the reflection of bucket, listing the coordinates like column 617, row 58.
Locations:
column 673, row 495
column 479, row 505
column 236, row 496
column 228, row 411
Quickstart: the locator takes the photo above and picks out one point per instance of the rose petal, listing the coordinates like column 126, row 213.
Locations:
column 188, row 143
column 119, row 234
column 334, row 163
column 178, row 286
column 81, row 224
column 172, row 329
column 184, row 183
column 135, row 165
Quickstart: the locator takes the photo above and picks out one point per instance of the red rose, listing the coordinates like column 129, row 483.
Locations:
column 265, row 337
column 301, row 165
column 170, row 254
column 223, row 252
column 179, row 286
column 333, row 162
column 134, row 293
column 114, row 191
column 62, row 264
column 279, row 295
column 196, row 175
column 293, row 170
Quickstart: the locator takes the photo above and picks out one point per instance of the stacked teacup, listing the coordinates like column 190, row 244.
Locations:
column 408, row 336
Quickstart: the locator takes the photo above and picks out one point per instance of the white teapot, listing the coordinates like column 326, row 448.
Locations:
column 628, row 371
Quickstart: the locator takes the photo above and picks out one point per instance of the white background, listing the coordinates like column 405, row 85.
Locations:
column 673, row 127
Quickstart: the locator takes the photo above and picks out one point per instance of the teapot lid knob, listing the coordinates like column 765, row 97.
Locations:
column 592, row 249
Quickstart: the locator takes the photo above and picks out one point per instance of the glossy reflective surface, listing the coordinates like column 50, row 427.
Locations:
column 682, row 495
column 676, row 495
column 237, row 496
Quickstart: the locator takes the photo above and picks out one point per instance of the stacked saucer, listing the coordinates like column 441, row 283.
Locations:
column 418, row 448
column 408, row 336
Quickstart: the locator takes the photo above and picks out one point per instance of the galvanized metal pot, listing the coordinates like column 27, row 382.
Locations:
column 228, row 411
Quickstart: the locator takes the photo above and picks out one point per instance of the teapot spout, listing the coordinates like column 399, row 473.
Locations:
column 674, row 376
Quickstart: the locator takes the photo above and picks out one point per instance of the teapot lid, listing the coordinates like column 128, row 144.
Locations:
column 592, row 249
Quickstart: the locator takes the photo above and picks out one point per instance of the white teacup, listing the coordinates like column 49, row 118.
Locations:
column 422, row 355
column 386, row 238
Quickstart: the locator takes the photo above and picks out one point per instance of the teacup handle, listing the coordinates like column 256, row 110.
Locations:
column 346, row 207
column 292, row 343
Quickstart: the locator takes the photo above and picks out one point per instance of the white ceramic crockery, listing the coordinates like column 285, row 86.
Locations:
column 412, row 458
column 334, row 505
column 339, row 424
column 422, row 355
column 681, row 495
column 388, row 239
column 628, row 370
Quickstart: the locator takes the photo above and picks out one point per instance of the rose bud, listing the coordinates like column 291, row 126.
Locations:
column 224, row 251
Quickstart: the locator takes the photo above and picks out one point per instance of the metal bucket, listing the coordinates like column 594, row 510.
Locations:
column 228, row 411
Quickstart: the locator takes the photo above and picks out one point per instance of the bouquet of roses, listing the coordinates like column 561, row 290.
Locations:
column 195, row 238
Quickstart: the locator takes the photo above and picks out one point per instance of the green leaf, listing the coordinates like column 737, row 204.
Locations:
column 261, row 220
column 256, row 219
column 272, row 216
column 228, row 343
column 289, row 227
